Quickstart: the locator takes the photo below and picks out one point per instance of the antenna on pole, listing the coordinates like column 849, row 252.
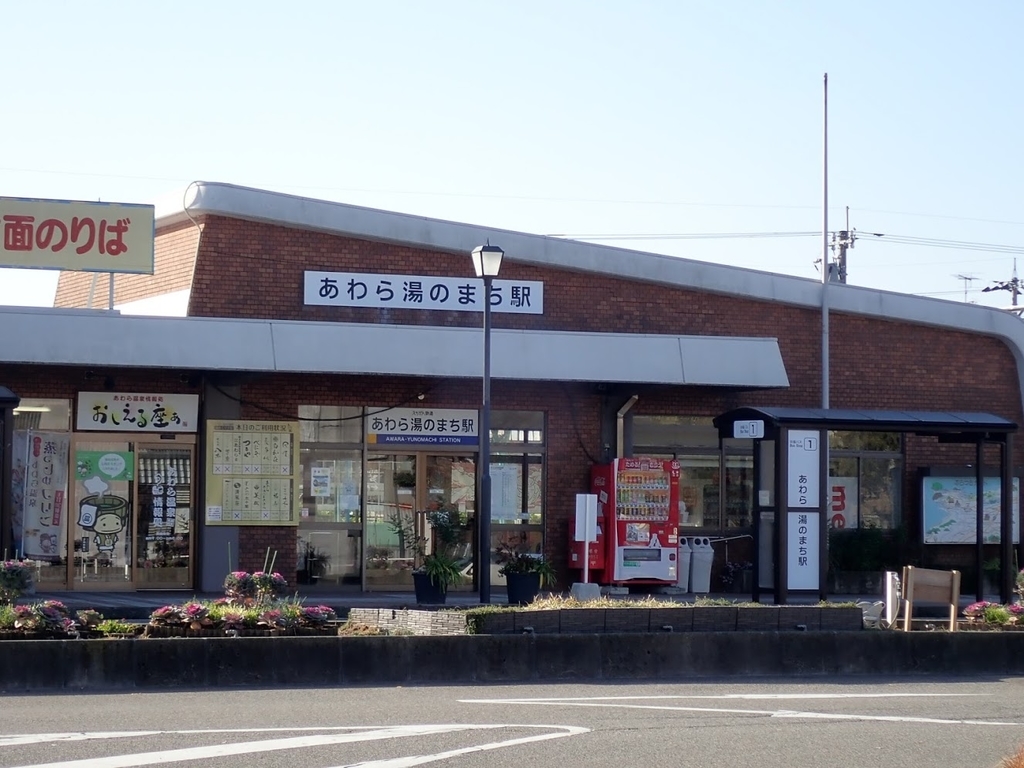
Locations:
column 968, row 279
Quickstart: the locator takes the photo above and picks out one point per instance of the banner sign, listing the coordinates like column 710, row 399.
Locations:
column 804, row 468
column 77, row 236
column 252, row 473
column 40, row 479
column 803, row 571
column 424, row 426
column 459, row 294
column 136, row 412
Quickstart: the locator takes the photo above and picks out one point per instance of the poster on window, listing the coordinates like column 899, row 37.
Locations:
column 803, row 572
column 43, row 506
column 842, row 505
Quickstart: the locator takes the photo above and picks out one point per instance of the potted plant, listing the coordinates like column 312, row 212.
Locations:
column 15, row 580
column 525, row 573
column 439, row 568
column 314, row 563
column 737, row 576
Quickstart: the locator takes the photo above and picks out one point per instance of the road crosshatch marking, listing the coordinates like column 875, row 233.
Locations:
column 647, row 702
column 313, row 737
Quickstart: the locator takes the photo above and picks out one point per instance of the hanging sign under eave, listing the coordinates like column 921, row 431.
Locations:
column 77, row 236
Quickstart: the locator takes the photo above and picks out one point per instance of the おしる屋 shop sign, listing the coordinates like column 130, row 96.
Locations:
column 459, row 294
column 77, row 236
column 424, row 426
column 136, row 412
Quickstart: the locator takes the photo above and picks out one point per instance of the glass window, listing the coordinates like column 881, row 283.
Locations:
column 864, row 441
column 512, row 427
column 43, row 413
column 699, row 505
column 512, row 501
column 879, row 492
column 739, row 491
column 674, row 431
column 331, row 423
column 865, row 491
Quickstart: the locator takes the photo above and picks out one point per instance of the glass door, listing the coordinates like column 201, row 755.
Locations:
column 451, row 485
column 163, row 544
column 102, row 524
column 390, row 528
column 330, row 529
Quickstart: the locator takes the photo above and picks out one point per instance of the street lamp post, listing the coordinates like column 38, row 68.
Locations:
column 486, row 263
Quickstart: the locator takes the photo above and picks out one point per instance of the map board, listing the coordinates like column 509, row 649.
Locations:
column 950, row 505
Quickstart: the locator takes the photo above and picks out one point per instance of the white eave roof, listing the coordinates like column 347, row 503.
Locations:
column 108, row 339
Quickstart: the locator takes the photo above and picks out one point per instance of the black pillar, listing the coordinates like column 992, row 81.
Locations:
column 1007, row 575
column 979, row 523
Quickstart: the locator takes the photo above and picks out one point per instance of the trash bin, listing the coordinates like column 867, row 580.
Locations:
column 701, row 557
column 683, row 566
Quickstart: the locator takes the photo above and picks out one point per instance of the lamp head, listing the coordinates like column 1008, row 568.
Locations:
column 487, row 260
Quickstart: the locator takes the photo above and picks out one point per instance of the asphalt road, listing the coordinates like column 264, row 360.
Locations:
column 853, row 723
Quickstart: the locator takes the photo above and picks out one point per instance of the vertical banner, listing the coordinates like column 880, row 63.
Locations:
column 44, row 510
column 804, row 469
column 19, row 474
column 803, row 551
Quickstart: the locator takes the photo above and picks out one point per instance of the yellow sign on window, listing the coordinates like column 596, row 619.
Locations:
column 252, row 473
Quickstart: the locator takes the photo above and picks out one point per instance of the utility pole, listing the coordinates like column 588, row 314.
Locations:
column 841, row 242
column 1012, row 285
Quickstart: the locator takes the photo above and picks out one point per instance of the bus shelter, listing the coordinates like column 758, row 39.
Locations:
column 791, row 498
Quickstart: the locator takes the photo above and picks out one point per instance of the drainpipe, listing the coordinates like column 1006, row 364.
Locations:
column 620, row 430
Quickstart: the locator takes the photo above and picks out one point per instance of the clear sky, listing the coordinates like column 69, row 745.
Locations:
column 578, row 117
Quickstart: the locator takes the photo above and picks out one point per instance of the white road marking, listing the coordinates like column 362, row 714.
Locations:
column 621, row 702
column 406, row 762
column 43, row 738
column 362, row 734
column 750, row 696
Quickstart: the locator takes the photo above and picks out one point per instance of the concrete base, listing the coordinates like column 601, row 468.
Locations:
column 584, row 592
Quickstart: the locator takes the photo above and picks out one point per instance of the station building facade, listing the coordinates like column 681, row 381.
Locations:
column 299, row 381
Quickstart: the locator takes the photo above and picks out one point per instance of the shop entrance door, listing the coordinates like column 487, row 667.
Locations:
column 131, row 514
column 400, row 490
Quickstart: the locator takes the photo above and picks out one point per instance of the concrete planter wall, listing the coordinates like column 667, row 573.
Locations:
column 701, row 618
column 75, row 665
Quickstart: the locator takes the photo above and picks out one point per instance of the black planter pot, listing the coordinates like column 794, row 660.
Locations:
column 428, row 593
column 523, row 588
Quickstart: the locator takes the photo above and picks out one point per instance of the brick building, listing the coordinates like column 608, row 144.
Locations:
column 267, row 309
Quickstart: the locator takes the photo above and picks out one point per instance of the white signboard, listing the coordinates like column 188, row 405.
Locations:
column 506, row 493
column 459, row 294
column 802, row 562
column 425, row 426
column 136, row 412
column 842, row 504
column 586, row 517
column 804, row 468
column 748, row 429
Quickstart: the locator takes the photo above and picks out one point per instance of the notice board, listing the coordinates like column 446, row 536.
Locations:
column 252, row 473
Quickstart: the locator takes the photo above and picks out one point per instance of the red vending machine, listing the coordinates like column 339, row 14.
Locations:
column 638, row 520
